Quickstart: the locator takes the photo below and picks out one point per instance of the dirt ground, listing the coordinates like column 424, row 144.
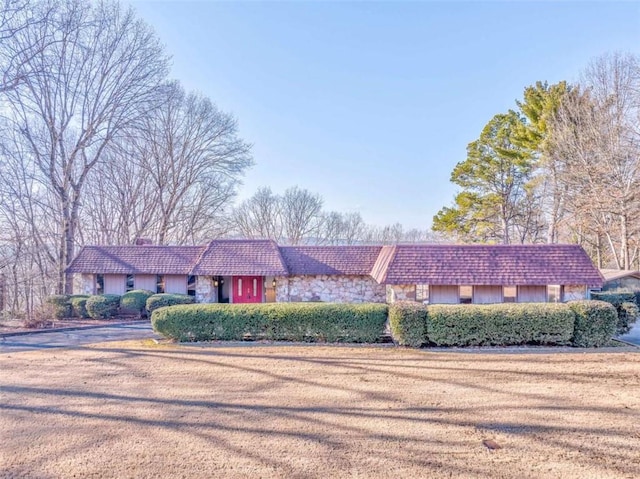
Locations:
column 141, row 410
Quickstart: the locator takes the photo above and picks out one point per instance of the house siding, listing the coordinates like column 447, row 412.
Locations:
column 115, row 283
column 532, row 294
column 487, row 294
column 175, row 283
column 329, row 288
column 444, row 294
column 146, row 281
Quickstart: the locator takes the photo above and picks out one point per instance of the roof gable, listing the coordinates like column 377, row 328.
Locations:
column 241, row 257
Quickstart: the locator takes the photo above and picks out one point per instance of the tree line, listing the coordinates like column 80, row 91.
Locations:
column 562, row 166
column 98, row 145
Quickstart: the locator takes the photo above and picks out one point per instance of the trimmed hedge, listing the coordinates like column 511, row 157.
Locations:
column 103, row 306
column 500, row 324
column 60, row 306
column 135, row 301
column 628, row 314
column 79, row 305
column 408, row 323
column 167, row 299
column 313, row 322
column 622, row 301
column 595, row 323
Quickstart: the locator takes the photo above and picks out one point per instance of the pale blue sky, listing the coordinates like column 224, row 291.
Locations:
column 372, row 104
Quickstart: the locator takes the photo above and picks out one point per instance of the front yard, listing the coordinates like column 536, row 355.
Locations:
column 139, row 410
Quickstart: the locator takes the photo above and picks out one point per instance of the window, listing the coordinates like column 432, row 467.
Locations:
column 100, row 284
column 239, row 286
column 255, row 287
column 466, row 294
column 422, row 293
column 554, row 293
column 160, row 283
column 509, row 294
column 191, row 285
column 129, row 286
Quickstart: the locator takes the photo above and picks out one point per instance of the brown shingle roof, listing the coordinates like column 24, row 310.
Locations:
column 400, row 264
column 241, row 257
column 135, row 259
column 488, row 264
column 330, row 260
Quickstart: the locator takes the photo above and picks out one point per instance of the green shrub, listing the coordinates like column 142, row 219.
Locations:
column 595, row 323
column 627, row 316
column 59, row 305
column 499, row 324
column 103, row 306
column 135, row 302
column 167, row 299
column 618, row 298
column 79, row 305
column 408, row 323
column 276, row 321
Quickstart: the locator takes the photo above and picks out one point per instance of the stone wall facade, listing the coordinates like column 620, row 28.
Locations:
column 84, row 284
column 205, row 291
column 400, row 292
column 330, row 289
column 573, row 292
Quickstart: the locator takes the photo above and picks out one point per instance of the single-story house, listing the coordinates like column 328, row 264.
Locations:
column 620, row 279
column 255, row 271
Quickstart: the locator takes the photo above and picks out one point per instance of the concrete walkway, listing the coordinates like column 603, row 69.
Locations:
column 76, row 337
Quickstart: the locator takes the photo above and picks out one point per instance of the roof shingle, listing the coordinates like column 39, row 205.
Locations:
column 489, row 264
column 241, row 257
column 330, row 260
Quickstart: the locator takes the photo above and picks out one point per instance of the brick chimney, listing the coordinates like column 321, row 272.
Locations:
column 143, row 242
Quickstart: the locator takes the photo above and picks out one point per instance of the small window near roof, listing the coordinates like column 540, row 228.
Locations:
column 466, row 294
column 422, row 293
column 509, row 294
column 100, row 284
column 129, row 282
column 554, row 293
column 191, row 285
column 160, row 283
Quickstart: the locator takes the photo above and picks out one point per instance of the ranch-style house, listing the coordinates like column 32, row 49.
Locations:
column 257, row 271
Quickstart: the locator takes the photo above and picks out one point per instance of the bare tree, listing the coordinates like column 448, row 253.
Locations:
column 90, row 72
column 301, row 214
column 259, row 216
column 171, row 178
column 596, row 133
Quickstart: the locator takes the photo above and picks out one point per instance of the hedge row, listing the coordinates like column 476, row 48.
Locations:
column 313, row 322
column 579, row 323
column 626, row 304
column 103, row 306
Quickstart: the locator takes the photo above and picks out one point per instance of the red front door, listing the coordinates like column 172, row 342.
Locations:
column 247, row 289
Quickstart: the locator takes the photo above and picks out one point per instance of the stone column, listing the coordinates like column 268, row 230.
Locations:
column 205, row 291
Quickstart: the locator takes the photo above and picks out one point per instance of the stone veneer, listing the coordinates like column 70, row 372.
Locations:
column 573, row 292
column 84, row 283
column 328, row 288
column 400, row 292
column 205, row 291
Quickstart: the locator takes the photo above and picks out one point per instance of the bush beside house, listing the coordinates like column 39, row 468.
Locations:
column 59, row 305
column 103, row 306
column 595, row 323
column 408, row 323
column 624, row 302
column 167, row 299
column 79, row 305
column 135, row 302
column 499, row 324
column 319, row 322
